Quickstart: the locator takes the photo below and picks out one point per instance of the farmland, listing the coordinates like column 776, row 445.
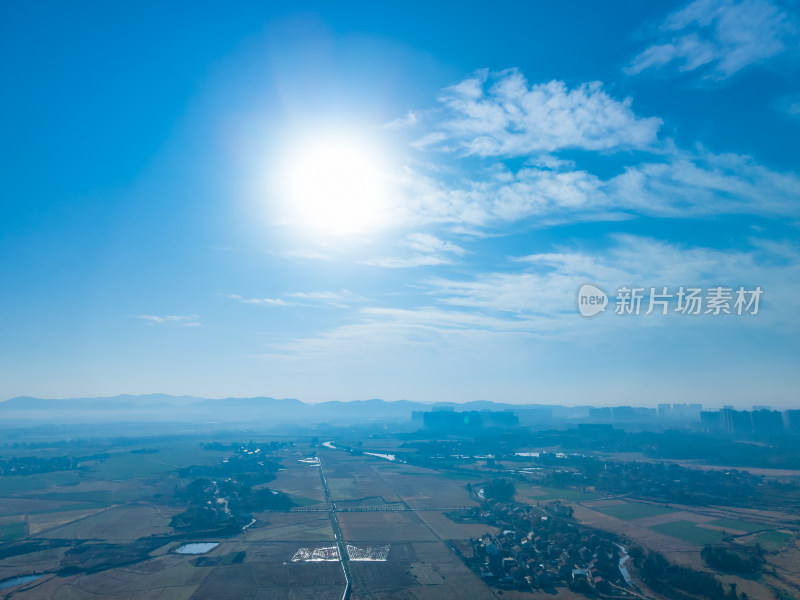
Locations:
column 110, row 527
column 106, row 529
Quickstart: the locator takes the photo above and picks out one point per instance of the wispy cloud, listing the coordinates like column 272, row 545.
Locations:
column 720, row 36
column 500, row 114
column 394, row 262
column 258, row 301
column 680, row 184
column 429, row 244
column 491, row 117
column 340, row 299
column 401, row 122
column 549, row 284
column 426, row 250
column 182, row 320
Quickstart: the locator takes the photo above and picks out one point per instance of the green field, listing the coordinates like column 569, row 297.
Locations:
column 737, row 525
column 633, row 510
column 301, row 501
column 689, row 532
column 13, row 531
column 772, row 540
column 102, row 497
column 19, row 484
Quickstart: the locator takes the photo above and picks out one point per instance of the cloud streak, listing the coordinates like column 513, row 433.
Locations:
column 500, row 114
column 684, row 184
column 181, row 320
column 427, row 250
column 721, row 37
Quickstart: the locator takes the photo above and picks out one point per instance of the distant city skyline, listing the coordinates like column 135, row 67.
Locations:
column 343, row 202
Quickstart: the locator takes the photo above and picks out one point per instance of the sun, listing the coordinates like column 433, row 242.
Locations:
column 334, row 185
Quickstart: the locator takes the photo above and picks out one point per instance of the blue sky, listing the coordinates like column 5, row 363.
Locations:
column 345, row 201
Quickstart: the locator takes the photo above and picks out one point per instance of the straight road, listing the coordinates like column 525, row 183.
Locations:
column 337, row 532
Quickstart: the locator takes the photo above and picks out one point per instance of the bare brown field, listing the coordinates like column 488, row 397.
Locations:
column 450, row 530
column 299, row 480
column 427, row 489
column 268, row 573
column 673, row 549
column 384, row 527
column 50, row 586
column 560, row 593
column 298, row 575
column 230, row 581
column 121, row 523
column 306, row 526
column 115, row 583
column 423, row 570
column 43, row 523
column 360, row 486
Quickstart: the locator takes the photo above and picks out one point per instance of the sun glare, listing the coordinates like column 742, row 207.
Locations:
column 334, row 185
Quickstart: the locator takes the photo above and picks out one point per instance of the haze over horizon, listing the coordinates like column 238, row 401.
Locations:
column 373, row 201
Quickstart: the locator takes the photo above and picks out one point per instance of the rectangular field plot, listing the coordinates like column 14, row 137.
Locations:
column 630, row 511
column 428, row 570
column 689, row 532
column 302, row 482
column 383, row 527
column 422, row 490
column 450, row 530
column 772, row 540
column 737, row 525
column 361, row 488
column 13, row 530
column 116, row 524
column 277, row 527
column 268, row 572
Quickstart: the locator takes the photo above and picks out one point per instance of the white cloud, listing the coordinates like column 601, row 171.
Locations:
column 428, row 250
column 341, row 299
column 426, row 243
column 526, row 317
column 394, row 262
column 258, row 301
column 706, row 184
column 399, row 123
column 682, row 184
column 500, row 114
column 723, row 36
column 182, row 320
column 544, row 293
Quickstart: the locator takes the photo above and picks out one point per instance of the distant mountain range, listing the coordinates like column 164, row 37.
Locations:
column 256, row 411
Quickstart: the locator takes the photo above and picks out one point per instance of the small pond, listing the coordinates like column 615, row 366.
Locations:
column 196, row 548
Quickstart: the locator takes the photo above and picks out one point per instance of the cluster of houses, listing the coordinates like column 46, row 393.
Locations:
column 540, row 549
